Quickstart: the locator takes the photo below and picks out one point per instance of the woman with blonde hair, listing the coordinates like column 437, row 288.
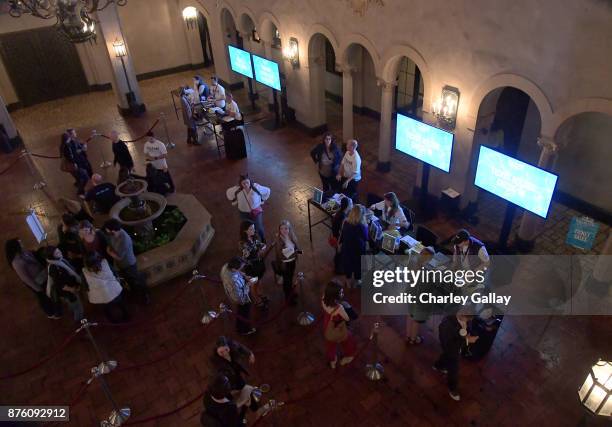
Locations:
column 353, row 244
column 287, row 251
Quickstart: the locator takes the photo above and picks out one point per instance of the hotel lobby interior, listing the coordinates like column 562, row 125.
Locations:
column 528, row 81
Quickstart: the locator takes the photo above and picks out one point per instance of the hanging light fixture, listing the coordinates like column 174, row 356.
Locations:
column 190, row 16
column 73, row 17
column 596, row 392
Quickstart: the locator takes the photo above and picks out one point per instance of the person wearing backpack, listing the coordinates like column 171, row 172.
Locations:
column 249, row 198
column 335, row 329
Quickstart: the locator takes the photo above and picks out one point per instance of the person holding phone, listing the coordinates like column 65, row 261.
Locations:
column 254, row 251
column 287, row 252
column 249, row 197
column 237, row 286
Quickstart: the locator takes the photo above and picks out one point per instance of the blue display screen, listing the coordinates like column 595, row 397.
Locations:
column 425, row 142
column 266, row 72
column 240, row 61
column 518, row 182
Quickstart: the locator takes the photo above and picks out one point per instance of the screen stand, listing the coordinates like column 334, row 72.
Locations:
column 252, row 96
column 275, row 123
column 507, row 226
column 426, row 207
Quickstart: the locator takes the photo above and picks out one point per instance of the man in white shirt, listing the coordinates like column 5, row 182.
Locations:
column 350, row 170
column 155, row 154
column 217, row 93
column 231, row 107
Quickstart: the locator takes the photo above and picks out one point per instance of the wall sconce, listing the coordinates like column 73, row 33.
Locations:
column 190, row 16
column 255, row 36
column 292, row 52
column 276, row 40
column 595, row 393
column 445, row 108
column 119, row 48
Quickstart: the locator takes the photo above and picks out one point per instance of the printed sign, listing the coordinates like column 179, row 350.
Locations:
column 582, row 233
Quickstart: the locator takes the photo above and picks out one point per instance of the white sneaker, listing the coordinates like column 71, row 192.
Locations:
column 454, row 395
column 346, row 360
column 333, row 364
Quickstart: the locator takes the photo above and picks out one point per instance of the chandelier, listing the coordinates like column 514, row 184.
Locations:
column 74, row 19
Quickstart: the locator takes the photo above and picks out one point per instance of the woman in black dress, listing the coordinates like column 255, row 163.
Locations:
column 253, row 251
column 353, row 241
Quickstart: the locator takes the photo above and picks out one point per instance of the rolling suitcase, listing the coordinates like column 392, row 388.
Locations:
column 235, row 146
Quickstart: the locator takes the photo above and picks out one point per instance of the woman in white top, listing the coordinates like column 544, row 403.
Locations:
column 104, row 288
column 287, row 252
column 250, row 197
column 217, row 93
column 350, row 170
column 392, row 212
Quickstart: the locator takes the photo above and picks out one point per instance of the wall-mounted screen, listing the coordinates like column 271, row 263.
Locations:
column 266, row 72
column 240, row 61
column 425, row 142
column 518, row 182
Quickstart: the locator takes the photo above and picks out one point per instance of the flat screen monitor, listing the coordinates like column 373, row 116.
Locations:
column 36, row 227
column 317, row 196
column 425, row 142
column 240, row 61
column 266, row 72
column 518, row 182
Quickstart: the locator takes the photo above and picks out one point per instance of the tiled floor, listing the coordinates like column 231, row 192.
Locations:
column 530, row 377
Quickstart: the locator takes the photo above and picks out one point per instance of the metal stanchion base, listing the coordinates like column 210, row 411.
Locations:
column 116, row 419
column 305, row 318
column 39, row 185
column 209, row 317
column 375, row 371
column 171, row 145
column 106, row 164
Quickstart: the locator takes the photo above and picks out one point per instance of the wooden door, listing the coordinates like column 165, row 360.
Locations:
column 42, row 65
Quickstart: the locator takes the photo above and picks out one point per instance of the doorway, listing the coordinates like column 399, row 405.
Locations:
column 205, row 40
column 42, row 65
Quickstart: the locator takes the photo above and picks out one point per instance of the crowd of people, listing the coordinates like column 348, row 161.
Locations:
column 100, row 264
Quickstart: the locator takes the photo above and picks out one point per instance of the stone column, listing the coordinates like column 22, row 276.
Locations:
column 347, row 101
column 531, row 223
column 7, row 122
column 267, row 44
column 384, row 138
column 123, row 79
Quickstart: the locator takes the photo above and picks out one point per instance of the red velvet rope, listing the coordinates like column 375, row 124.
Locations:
column 156, row 316
column 166, row 414
column 168, row 354
column 13, row 163
column 131, row 140
column 44, row 360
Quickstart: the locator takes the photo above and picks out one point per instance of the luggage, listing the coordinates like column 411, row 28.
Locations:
column 235, row 146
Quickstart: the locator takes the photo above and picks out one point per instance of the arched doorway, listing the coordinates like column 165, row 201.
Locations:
column 508, row 121
column 231, row 37
column 584, row 175
column 325, row 84
column 205, row 40
column 410, row 89
column 366, row 96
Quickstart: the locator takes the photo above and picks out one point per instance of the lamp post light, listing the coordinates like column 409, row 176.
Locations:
column 596, row 392
column 121, row 52
column 190, row 16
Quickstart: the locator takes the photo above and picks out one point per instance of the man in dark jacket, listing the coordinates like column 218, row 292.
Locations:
column 123, row 158
column 74, row 153
column 220, row 409
column 453, row 337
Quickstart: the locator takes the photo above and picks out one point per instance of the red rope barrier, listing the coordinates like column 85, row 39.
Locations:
column 166, row 414
column 44, row 156
column 131, row 140
column 145, row 321
column 13, row 163
column 294, row 341
column 44, row 360
column 168, row 354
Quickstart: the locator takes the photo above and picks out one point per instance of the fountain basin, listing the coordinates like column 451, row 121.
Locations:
column 125, row 210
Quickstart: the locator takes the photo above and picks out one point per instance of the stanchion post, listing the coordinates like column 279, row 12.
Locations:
column 209, row 315
column 375, row 370
column 105, row 163
column 304, row 318
column 119, row 415
column 225, row 311
column 38, row 185
column 169, row 144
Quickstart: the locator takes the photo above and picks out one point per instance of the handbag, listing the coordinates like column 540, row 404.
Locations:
column 66, row 165
column 333, row 241
column 254, row 211
column 336, row 332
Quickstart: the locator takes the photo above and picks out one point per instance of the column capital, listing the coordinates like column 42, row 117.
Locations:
column 346, row 68
column 547, row 144
column 385, row 85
